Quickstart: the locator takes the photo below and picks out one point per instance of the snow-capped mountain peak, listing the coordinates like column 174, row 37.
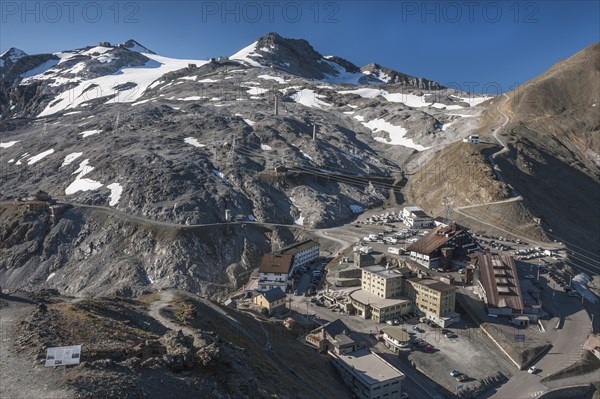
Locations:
column 11, row 56
column 132, row 45
column 298, row 57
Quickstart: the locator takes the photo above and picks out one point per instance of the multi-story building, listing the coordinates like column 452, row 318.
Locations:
column 368, row 375
column 370, row 306
column 416, row 217
column 379, row 297
column 440, row 246
column 303, row 253
column 434, row 299
column 275, row 271
column 382, row 281
column 276, row 268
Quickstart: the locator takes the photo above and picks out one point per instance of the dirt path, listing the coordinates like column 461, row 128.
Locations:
column 21, row 377
column 515, row 196
column 165, row 299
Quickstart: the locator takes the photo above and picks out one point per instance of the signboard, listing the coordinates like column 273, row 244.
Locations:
column 519, row 337
column 63, row 355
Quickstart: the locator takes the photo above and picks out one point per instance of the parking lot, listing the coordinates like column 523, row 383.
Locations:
column 468, row 350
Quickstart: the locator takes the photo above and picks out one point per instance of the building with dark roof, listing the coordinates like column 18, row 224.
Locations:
column 272, row 300
column 276, row 268
column 498, row 284
column 304, row 252
column 274, row 271
column 444, row 243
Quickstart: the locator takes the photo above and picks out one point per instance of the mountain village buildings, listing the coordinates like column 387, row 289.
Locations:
column 440, row 246
column 276, row 268
column 379, row 296
column 395, row 339
column 389, row 293
column 272, row 300
column 416, row 217
column 434, row 299
column 367, row 374
column 498, row 286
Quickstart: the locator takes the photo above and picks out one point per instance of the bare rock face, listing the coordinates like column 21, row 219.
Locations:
column 153, row 178
column 181, row 353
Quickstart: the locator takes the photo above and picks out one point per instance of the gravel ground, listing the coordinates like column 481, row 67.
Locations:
column 22, row 377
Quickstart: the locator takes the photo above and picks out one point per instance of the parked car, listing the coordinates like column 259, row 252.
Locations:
column 390, row 322
column 445, row 331
column 396, row 322
column 454, row 373
column 418, row 329
column 532, row 370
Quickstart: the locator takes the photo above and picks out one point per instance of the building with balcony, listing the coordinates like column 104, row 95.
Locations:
column 395, row 338
column 440, row 246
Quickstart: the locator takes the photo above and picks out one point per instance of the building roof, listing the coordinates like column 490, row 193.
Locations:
column 336, row 327
column 396, row 333
column 435, row 239
column 275, row 263
column 342, row 340
column 274, row 294
column 443, row 220
column 293, row 249
column 365, row 297
column 369, row 367
column 382, row 271
column 435, row 285
column 498, row 276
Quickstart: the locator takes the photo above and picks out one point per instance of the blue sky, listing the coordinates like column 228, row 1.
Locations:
column 471, row 45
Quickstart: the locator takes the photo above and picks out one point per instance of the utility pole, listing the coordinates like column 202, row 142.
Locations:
column 276, row 105
column 232, row 148
column 314, row 133
column 116, row 128
column 538, row 273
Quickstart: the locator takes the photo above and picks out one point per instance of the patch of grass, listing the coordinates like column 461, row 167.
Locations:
column 148, row 298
